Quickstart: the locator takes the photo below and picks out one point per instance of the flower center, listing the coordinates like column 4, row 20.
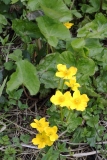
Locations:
column 61, row 98
column 77, row 101
column 50, row 133
column 66, row 73
column 43, row 139
column 39, row 124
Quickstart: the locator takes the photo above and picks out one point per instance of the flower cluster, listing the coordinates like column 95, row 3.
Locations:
column 75, row 101
column 68, row 25
column 46, row 136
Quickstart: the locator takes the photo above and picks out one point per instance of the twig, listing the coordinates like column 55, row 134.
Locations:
column 72, row 4
column 66, row 141
column 62, row 133
column 31, row 132
column 77, row 155
column 85, row 154
column 29, row 146
column 3, row 128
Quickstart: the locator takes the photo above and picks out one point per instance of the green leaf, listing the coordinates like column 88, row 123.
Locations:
column 3, row 20
column 67, row 58
column 101, row 83
column 14, row 1
column 91, row 141
column 82, row 63
column 95, row 3
column 68, row 2
column 93, row 7
column 2, row 99
column 56, row 10
column 25, row 138
column 85, row 65
column 51, row 154
column 62, row 147
column 77, row 135
column 95, row 29
column 6, row 1
column 26, row 29
column 104, row 59
column 0, row 28
column 16, row 55
column 104, row 5
column 25, row 74
column 22, row 106
column 73, row 122
column 52, row 30
column 9, row 65
column 33, row 5
column 88, row 90
column 76, row 13
column 15, row 94
column 95, row 48
column 93, row 121
column 78, row 43
column 46, row 71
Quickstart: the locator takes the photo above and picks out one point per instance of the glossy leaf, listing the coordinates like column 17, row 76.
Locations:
column 52, row 30
column 46, row 71
column 56, row 10
column 26, row 29
column 16, row 55
column 33, row 5
column 25, row 75
column 50, row 153
column 93, row 7
column 78, row 43
column 95, row 29
column 84, row 65
column 3, row 20
column 101, row 82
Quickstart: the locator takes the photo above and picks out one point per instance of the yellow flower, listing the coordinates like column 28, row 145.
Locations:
column 42, row 140
column 68, row 25
column 65, row 73
column 51, row 132
column 40, row 125
column 78, row 101
column 61, row 99
column 72, row 83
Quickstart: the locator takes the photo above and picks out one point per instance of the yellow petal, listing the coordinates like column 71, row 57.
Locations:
column 61, row 67
column 73, row 70
column 33, row 125
column 68, row 25
column 59, row 74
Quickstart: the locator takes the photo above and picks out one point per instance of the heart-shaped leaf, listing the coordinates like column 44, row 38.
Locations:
column 25, row 74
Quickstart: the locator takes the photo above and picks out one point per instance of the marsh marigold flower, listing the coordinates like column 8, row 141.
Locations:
column 40, row 125
column 61, row 99
column 78, row 101
column 65, row 73
column 68, row 25
column 42, row 140
column 51, row 132
column 72, row 84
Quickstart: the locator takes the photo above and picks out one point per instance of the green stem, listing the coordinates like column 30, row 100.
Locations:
column 101, row 3
column 52, row 49
column 47, row 48
column 61, row 114
column 68, row 116
column 72, row 4
column 58, row 85
column 62, row 86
